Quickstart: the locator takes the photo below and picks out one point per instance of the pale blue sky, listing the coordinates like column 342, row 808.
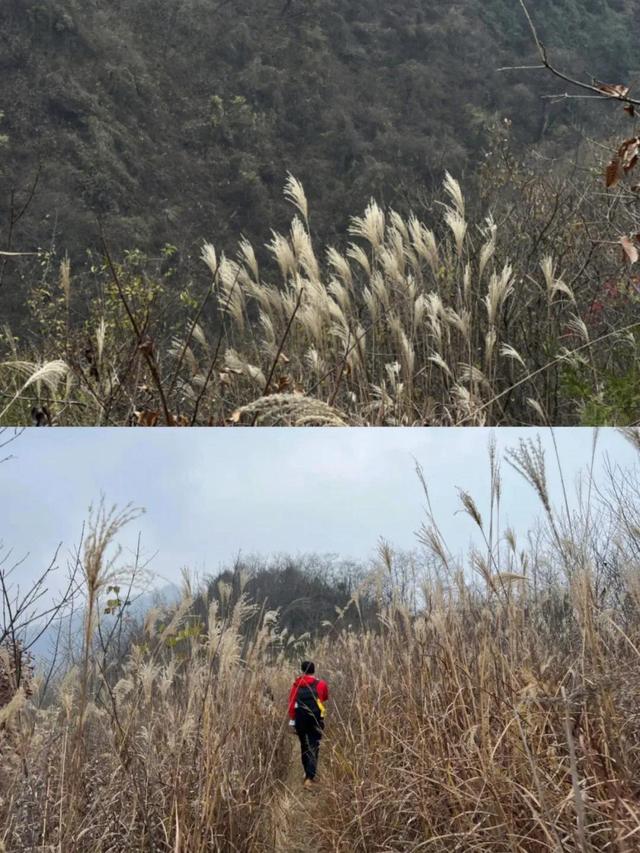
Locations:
column 211, row 493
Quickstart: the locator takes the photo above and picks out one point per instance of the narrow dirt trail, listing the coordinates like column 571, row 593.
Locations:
column 293, row 810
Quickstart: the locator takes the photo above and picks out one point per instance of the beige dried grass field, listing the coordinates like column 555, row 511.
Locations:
column 492, row 709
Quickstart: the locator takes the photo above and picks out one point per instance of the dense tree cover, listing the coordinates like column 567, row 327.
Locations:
column 135, row 132
column 172, row 120
column 309, row 591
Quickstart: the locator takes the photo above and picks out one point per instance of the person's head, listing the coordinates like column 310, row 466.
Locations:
column 307, row 667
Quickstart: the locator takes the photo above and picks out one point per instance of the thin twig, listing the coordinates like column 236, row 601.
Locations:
column 282, row 341
column 143, row 348
column 189, row 337
column 216, row 352
column 625, row 99
column 547, row 366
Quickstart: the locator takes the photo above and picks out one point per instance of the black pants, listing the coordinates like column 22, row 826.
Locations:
column 309, row 737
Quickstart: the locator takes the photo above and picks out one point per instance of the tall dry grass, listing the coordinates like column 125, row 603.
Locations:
column 447, row 317
column 412, row 323
column 179, row 747
column 474, row 728
column 500, row 715
column 492, row 708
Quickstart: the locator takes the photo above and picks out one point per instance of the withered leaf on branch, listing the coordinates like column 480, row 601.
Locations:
column 613, row 172
column 624, row 161
column 628, row 152
column 146, row 418
column 629, row 108
column 283, row 385
column 616, row 90
column 629, row 249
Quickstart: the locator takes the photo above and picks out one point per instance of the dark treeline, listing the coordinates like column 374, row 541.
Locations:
column 311, row 592
column 309, row 596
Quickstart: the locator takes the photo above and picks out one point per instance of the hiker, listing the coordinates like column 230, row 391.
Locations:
column 307, row 700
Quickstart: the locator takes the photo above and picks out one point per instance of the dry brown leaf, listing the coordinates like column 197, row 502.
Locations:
column 283, row 384
column 146, row 418
column 628, row 152
column 615, row 90
column 629, row 249
column 613, row 172
column 624, row 161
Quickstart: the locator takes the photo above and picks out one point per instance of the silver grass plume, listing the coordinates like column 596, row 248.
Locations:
column 294, row 192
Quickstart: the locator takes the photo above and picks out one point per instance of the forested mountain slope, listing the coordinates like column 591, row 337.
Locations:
column 173, row 120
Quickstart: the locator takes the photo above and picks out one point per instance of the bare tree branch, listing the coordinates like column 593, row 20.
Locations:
column 548, row 65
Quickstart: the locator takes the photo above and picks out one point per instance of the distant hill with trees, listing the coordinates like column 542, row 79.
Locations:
column 174, row 120
column 495, row 257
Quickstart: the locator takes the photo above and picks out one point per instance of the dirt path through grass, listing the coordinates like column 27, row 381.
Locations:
column 295, row 810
